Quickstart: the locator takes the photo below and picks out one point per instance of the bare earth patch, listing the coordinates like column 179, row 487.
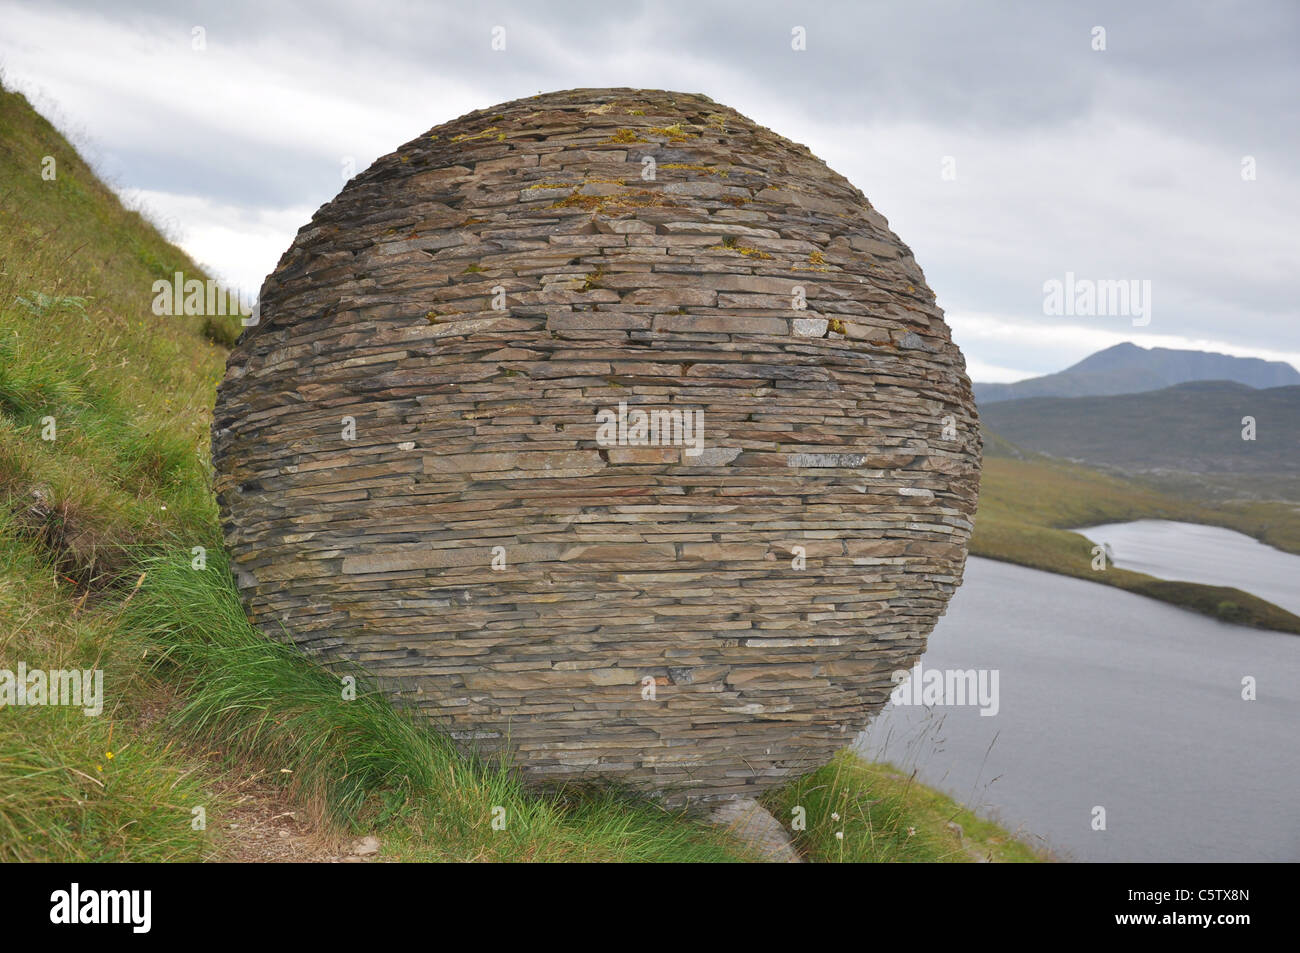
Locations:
column 263, row 826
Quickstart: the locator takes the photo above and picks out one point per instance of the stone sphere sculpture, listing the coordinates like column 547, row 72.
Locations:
column 613, row 432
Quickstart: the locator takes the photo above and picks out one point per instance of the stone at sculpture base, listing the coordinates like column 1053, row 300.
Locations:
column 755, row 827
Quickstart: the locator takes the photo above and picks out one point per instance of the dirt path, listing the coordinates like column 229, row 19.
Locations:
column 264, row 826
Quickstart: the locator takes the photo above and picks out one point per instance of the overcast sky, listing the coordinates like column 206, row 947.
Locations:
column 1122, row 163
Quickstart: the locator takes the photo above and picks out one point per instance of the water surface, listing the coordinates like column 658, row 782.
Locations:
column 1110, row 699
column 1206, row 554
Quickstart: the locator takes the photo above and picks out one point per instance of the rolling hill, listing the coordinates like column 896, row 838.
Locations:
column 1129, row 369
column 1193, row 427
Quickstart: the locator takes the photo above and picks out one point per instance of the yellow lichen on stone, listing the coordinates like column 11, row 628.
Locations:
column 675, row 132
column 711, row 170
column 625, row 136
column 730, row 244
column 486, row 133
column 640, row 198
column 816, row 262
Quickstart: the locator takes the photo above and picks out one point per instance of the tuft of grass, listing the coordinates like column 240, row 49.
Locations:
column 72, row 793
column 73, row 787
column 372, row 766
column 222, row 330
column 34, row 382
column 616, row 205
column 489, row 133
column 857, row 812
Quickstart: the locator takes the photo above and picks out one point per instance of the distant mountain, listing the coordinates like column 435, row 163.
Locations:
column 1129, row 369
column 1192, row 428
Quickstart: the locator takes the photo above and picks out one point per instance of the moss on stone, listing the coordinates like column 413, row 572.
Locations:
column 640, row 198
column 487, row 133
column 674, row 133
column 625, row 136
column 434, row 317
column 710, row 170
column 731, row 244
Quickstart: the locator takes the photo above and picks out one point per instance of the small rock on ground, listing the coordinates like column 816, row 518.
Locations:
column 752, row 824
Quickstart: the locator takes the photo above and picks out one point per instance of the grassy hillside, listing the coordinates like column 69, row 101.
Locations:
column 127, row 394
column 1029, row 503
column 98, row 528
column 1194, row 427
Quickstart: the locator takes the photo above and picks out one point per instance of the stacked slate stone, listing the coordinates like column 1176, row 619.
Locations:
column 414, row 478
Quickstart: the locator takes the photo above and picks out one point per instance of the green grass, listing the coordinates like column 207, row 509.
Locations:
column 96, row 530
column 129, row 392
column 1032, row 490
column 374, row 769
column 369, row 765
column 72, row 787
column 73, row 792
column 857, row 812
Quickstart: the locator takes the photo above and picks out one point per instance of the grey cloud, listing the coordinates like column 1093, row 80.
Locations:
column 1220, row 77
